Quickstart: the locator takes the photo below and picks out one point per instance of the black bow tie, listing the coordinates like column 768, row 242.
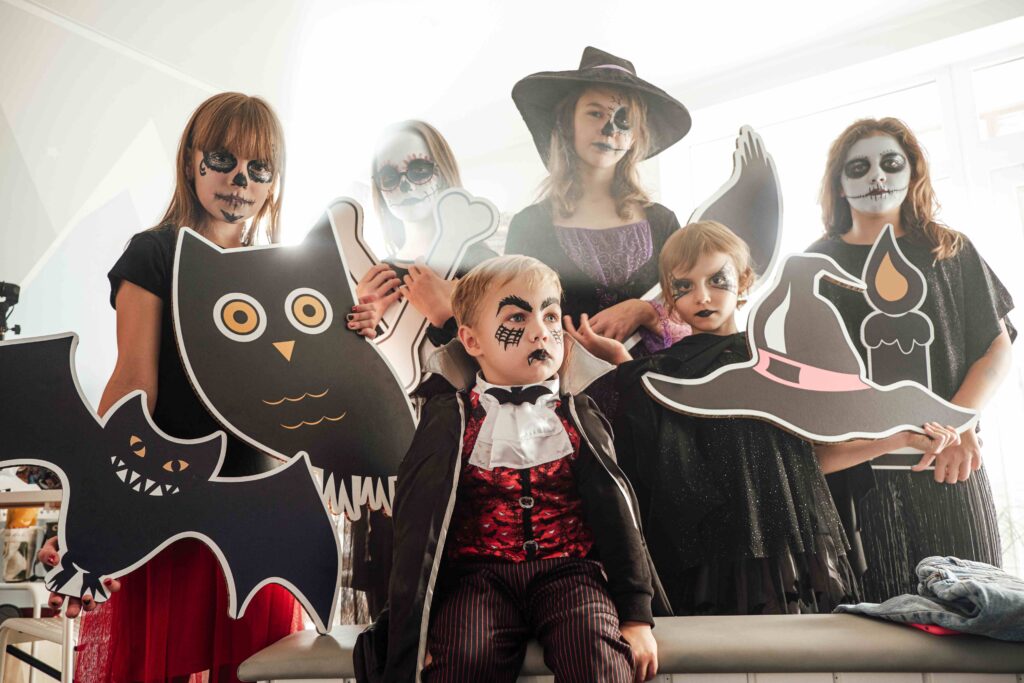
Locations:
column 518, row 395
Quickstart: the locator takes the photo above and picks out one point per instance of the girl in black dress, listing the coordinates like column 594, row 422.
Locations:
column 736, row 511
column 876, row 175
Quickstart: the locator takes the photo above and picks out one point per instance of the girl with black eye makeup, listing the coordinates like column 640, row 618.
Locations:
column 736, row 511
column 897, row 513
column 596, row 226
column 170, row 620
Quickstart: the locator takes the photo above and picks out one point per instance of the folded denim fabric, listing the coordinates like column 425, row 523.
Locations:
column 966, row 596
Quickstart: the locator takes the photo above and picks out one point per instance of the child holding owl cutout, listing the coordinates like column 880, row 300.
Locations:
column 512, row 520
column 170, row 619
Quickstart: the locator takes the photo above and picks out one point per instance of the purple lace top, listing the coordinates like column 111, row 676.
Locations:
column 609, row 256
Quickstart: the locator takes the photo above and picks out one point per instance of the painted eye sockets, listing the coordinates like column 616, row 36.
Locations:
column 308, row 310
column 417, row 172
column 239, row 317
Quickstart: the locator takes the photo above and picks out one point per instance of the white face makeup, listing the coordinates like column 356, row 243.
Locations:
column 232, row 190
column 407, row 176
column 603, row 127
column 876, row 175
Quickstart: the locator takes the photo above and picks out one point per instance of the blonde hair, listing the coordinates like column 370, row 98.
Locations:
column 471, row 290
column 248, row 128
column 564, row 185
column 917, row 213
column 688, row 244
column 447, row 168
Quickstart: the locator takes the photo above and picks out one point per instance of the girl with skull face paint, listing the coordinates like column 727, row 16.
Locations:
column 170, row 619
column 596, row 226
column 877, row 175
column 412, row 166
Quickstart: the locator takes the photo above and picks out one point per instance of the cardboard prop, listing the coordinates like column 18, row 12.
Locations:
column 749, row 203
column 804, row 374
column 462, row 220
column 897, row 335
column 129, row 490
column 263, row 337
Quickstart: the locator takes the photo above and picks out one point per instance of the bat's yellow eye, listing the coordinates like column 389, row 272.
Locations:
column 308, row 310
column 240, row 317
column 138, row 448
column 175, row 465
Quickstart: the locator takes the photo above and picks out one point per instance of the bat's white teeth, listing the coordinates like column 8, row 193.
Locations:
column 148, row 485
column 176, row 489
column 167, row 488
column 135, row 477
column 122, row 475
column 137, row 487
column 155, row 491
column 113, row 459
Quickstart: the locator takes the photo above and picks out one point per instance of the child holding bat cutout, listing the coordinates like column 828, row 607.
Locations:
column 170, row 619
column 737, row 512
column 512, row 520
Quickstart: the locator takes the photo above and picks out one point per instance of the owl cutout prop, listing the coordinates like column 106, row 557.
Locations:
column 749, row 203
column 462, row 220
column 804, row 374
column 263, row 337
column 129, row 490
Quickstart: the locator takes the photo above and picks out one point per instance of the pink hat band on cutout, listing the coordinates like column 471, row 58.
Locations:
column 803, row 376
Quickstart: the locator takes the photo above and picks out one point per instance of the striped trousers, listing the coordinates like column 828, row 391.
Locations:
column 484, row 614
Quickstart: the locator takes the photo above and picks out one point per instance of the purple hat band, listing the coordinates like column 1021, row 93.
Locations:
column 613, row 66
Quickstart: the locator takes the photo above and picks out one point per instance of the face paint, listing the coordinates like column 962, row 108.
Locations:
column 726, row 278
column 538, row 356
column 618, row 123
column 517, row 301
column 508, row 336
column 681, row 287
column 230, row 217
column 876, row 175
column 239, row 180
column 556, row 334
column 260, row 171
column 408, row 177
column 221, row 161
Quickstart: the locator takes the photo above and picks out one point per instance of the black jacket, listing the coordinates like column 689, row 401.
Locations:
column 392, row 649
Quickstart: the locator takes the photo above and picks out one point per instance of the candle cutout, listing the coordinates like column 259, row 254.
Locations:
column 896, row 334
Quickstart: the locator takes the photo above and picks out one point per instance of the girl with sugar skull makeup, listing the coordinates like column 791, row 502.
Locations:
column 596, row 226
column 170, row 619
column 412, row 166
column 877, row 175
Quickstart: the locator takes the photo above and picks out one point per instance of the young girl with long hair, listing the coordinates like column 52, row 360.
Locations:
column 596, row 226
column 170, row 618
column 877, row 175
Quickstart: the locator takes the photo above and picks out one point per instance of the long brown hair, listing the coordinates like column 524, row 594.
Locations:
column 564, row 185
column 917, row 213
column 440, row 151
column 248, row 128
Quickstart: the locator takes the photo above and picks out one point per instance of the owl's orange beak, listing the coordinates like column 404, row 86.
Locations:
column 286, row 348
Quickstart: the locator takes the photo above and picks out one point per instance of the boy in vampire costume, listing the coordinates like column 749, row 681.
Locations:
column 512, row 519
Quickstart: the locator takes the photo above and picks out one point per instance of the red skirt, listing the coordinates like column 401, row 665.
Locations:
column 170, row 620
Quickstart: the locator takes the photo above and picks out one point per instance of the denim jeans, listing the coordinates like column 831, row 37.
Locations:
column 962, row 595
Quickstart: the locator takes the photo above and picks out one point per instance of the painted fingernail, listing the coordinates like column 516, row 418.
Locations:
column 353, row 308
column 351, row 326
column 108, row 582
column 349, row 316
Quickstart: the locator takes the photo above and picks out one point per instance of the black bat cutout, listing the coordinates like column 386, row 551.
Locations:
column 750, row 201
column 130, row 490
column 263, row 336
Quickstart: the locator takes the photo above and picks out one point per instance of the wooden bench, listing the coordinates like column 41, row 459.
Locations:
column 763, row 644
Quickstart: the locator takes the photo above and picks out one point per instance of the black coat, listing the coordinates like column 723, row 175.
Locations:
column 391, row 649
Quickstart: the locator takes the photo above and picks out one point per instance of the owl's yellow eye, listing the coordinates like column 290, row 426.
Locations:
column 175, row 465
column 240, row 317
column 138, row 448
column 308, row 310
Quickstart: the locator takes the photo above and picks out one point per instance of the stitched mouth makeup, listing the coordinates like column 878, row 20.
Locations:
column 879, row 193
column 234, row 200
column 605, row 147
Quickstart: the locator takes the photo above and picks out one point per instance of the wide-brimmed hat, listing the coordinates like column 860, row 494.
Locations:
column 804, row 374
column 537, row 95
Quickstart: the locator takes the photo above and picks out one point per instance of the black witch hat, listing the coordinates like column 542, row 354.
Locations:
column 537, row 95
column 805, row 374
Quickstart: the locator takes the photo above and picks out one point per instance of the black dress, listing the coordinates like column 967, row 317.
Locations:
column 736, row 512
column 902, row 516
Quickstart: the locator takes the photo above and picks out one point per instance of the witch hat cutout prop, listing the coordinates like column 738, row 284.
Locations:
column 804, row 374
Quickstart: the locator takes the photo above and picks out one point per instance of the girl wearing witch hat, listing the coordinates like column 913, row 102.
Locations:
column 736, row 511
column 596, row 226
column 876, row 175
